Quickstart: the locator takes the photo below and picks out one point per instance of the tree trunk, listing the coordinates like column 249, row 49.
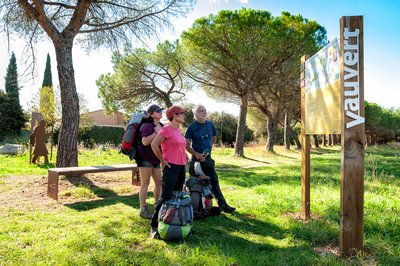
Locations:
column 335, row 139
column 296, row 138
column 67, row 151
column 271, row 130
column 325, row 140
column 330, row 140
column 239, row 147
column 316, row 141
column 286, row 133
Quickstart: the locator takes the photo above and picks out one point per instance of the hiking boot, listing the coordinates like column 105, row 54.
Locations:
column 154, row 233
column 226, row 208
column 144, row 213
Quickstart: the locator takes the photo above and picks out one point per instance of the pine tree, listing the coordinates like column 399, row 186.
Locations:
column 12, row 88
column 47, row 79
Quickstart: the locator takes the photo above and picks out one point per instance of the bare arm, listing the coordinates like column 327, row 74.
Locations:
column 196, row 154
column 147, row 140
column 214, row 140
column 155, row 145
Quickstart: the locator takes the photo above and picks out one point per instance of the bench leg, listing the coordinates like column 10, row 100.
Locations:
column 135, row 177
column 52, row 185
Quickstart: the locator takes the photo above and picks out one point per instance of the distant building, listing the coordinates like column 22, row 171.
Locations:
column 99, row 118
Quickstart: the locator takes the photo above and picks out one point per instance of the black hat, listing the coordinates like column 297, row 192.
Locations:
column 153, row 108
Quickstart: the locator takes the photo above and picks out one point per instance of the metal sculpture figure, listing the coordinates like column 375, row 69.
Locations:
column 38, row 140
column 36, row 117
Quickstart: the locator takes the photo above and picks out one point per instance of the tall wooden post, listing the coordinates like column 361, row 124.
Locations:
column 353, row 136
column 305, row 149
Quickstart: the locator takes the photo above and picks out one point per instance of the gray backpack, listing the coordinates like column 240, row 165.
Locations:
column 199, row 188
column 201, row 195
column 176, row 217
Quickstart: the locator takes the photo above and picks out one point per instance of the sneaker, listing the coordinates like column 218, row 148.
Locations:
column 154, row 233
column 144, row 213
column 226, row 208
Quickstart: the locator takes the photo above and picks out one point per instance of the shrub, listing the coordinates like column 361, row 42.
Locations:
column 95, row 135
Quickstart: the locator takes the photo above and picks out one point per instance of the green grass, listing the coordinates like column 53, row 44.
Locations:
column 98, row 226
column 19, row 165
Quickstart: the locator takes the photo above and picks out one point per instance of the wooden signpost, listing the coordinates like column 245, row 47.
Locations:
column 305, row 147
column 323, row 80
column 353, row 135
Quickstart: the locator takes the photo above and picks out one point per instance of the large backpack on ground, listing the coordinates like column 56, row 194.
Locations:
column 175, row 218
column 201, row 196
column 131, row 136
column 199, row 188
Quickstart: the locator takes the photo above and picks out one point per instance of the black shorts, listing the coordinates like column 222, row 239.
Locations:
column 147, row 164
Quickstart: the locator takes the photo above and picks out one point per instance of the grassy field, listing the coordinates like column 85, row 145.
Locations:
column 96, row 220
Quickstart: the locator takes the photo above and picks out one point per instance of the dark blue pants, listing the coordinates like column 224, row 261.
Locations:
column 172, row 180
column 208, row 167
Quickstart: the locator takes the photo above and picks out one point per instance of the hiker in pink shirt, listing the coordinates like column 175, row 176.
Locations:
column 173, row 159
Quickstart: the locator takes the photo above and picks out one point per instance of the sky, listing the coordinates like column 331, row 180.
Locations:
column 381, row 53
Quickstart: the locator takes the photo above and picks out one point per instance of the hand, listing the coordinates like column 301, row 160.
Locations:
column 200, row 156
column 157, row 128
column 164, row 164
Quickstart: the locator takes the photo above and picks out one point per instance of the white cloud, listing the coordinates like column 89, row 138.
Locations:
column 244, row 1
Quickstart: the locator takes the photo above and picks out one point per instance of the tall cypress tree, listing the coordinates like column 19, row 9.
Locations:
column 12, row 88
column 46, row 104
column 47, row 79
column 12, row 114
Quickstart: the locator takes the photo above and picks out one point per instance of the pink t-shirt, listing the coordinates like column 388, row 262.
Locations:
column 174, row 146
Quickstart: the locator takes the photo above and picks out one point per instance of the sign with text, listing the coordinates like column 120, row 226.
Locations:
column 322, row 91
column 352, row 135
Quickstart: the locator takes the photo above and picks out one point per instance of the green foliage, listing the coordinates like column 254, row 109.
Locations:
column 382, row 125
column 11, row 79
column 258, row 123
column 12, row 118
column 142, row 76
column 91, row 23
column 251, row 57
column 96, row 220
column 21, row 138
column 47, row 78
column 189, row 115
column 101, row 135
column 226, row 126
column 46, row 105
column 95, row 135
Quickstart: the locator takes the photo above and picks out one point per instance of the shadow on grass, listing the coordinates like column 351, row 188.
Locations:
column 240, row 239
column 255, row 160
column 130, row 200
column 225, row 234
column 325, row 172
column 46, row 165
column 321, row 150
column 108, row 196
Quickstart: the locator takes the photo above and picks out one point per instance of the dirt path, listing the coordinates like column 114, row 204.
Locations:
column 30, row 192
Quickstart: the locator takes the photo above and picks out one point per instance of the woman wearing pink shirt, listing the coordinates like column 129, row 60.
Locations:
column 173, row 159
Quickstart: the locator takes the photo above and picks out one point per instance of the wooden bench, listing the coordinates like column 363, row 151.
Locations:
column 54, row 173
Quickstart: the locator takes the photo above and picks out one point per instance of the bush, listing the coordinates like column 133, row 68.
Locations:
column 226, row 127
column 95, row 135
column 21, row 138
